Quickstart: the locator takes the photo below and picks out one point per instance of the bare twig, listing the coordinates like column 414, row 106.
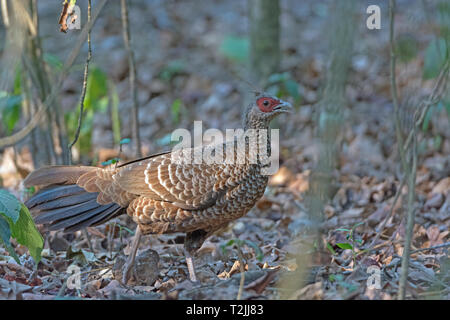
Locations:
column 242, row 269
column 408, row 148
column 83, row 90
column 439, row 246
column 409, row 171
column 23, row 133
column 133, row 88
column 379, row 232
column 394, row 85
column 435, row 96
column 391, row 213
column 410, row 220
column 88, row 239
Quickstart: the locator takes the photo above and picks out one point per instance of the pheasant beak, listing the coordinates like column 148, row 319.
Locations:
column 283, row 107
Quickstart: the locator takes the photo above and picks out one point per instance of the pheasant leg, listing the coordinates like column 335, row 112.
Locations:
column 131, row 258
column 192, row 243
column 190, row 265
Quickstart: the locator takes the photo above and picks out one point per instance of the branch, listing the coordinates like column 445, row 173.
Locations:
column 386, row 219
column 242, row 270
column 439, row 246
column 409, row 170
column 83, row 91
column 410, row 219
column 132, row 67
column 394, row 85
column 23, row 133
column 434, row 97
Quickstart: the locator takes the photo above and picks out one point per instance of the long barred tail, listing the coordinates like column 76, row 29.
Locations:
column 64, row 205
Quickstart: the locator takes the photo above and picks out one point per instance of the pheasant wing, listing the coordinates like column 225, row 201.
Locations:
column 189, row 186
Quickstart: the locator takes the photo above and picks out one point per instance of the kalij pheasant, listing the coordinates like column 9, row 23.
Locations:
column 161, row 195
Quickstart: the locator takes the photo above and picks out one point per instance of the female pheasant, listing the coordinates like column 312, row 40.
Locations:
column 161, row 194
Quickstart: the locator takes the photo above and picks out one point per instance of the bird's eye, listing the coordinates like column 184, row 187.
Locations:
column 266, row 103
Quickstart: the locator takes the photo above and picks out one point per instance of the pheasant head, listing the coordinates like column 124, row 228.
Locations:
column 263, row 109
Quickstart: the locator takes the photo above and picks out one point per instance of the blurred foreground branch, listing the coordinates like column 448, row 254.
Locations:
column 330, row 107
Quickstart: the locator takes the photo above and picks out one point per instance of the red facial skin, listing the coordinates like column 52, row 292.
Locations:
column 266, row 104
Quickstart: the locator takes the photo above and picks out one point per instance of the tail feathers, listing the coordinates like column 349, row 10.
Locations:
column 65, row 212
column 92, row 218
column 53, row 193
column 56, row 175
column 70, row 207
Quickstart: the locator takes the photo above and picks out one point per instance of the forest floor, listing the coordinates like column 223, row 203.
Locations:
column 182, row 40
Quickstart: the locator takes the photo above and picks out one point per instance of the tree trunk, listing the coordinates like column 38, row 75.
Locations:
column 264, row 39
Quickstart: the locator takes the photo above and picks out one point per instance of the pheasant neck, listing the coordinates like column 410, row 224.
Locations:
column 255, row 123
column 257, row 144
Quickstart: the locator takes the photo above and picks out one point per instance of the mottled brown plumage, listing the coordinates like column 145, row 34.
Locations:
column 162, row 195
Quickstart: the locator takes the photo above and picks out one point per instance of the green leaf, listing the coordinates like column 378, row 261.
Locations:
column 82, row 256
column 53, row 61
column 21, row 225
column 30, row 191
column 235, row 48
column 292, row 89
column 345, row 245
column 115, row 117
column 121, row 227
column 435, row 55
column 437, row 142
column 96, row 100
column 176, row 110
column 9, row 205
column 26, row 233
column 110, row 161
column 427, row 119
column 10, row 110
column 357, row 225
column 343, row 229
column 230, row 243
column 96, row 91
column 10, row 116
column 165, row 140
column 125, row 141
column 278, row 77
column 5, row 235
column 330, row 248
column 282, row 84
column 406, row 47
column 18, row 83
column 5, row 232
column 172, row 69
column 258, row 251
